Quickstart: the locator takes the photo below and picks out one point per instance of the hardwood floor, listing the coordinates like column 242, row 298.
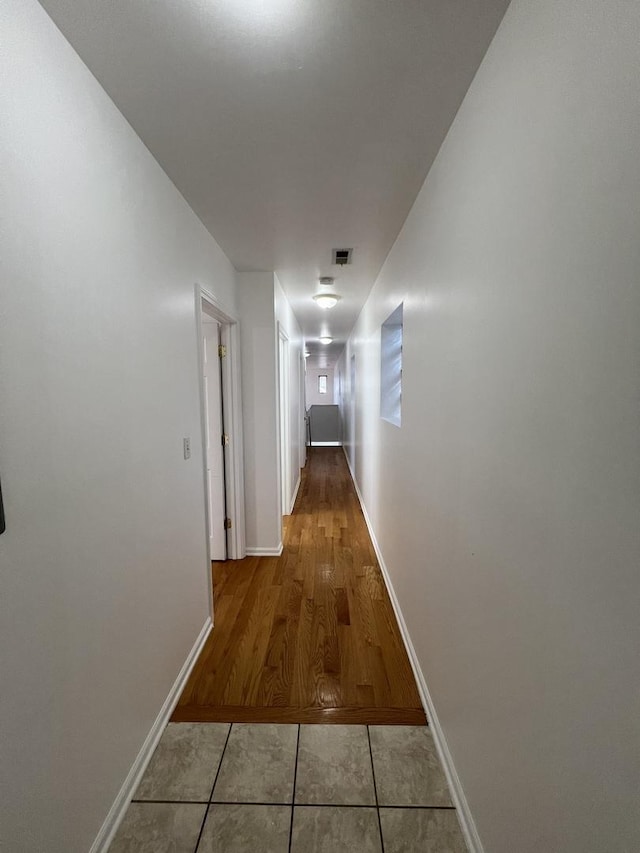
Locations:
column 310, row 636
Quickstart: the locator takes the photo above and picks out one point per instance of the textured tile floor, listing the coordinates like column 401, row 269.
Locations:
column 291, row 789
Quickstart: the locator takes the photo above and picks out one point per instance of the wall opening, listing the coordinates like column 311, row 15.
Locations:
column 391, row 368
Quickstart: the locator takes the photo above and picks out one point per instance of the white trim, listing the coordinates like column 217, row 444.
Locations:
column 326, row 444
column 121, row 803
column 265, row 552
column 203, row 433
column 283, row 407
column 465, row 817
column 232, row 401
column 295, row 493
column 234, row 450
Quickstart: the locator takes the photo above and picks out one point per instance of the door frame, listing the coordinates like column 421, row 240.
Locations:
column 232, row 423
column 284, row 421
column 210, row 347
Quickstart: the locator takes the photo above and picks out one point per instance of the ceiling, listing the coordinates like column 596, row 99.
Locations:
column 292, row 127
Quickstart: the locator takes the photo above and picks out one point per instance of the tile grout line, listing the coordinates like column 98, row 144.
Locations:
column 375, row 790
column 321, row 805
column 293, row 796
column 206, row 811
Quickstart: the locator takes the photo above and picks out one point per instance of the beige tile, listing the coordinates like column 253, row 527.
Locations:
column 159, row 828
column 185, row 762
column 421, row 831
column 335, row 829
column 246, row 829
column 334, row 766
column 406, row 766
column 258, row 764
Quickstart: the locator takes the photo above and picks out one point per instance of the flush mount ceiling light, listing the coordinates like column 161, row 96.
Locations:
column 326, row 300
column 325, row 339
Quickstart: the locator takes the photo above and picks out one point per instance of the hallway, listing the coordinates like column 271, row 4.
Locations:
column 310, row 636
column 424, row 213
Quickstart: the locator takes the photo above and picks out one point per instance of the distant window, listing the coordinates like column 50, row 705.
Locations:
column 391, row 368
column 322, row 384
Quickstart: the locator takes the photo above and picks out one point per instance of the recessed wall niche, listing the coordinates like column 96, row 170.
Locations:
column 391, row 368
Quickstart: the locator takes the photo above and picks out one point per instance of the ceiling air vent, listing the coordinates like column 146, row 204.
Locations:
column 342, row 256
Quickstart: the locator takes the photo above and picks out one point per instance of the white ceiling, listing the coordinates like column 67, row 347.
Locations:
column 291, row 127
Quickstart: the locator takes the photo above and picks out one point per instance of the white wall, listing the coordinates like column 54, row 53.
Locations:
column 256, row 305
column 103, row 586
column 297, row 446
column 314, row 398
column 262, row 305
column 507, row 506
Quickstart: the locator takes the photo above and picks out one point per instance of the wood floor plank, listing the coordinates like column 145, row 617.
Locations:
column 309, row 636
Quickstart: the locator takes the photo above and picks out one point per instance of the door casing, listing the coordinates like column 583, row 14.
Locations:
column 214, row 437
column 232, row 422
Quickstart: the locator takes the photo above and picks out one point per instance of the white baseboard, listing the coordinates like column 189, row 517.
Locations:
column 265, row 552
column 326, row 444
column 465, row 817
column 121, row 803
column 295, row 494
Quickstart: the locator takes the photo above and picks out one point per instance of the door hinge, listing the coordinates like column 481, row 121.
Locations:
column 222, row 350
column 225, row 439
column 227, row 524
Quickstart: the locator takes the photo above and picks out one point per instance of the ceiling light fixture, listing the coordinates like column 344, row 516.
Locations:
column 326, row 300
column 325, row 339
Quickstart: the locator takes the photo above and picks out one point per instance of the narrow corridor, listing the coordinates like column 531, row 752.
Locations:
column 310, row 636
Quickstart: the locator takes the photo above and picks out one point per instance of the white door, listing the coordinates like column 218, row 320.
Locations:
column 214, row 438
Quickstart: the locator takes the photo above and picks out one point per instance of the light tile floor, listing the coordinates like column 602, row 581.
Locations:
column 291, row 789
